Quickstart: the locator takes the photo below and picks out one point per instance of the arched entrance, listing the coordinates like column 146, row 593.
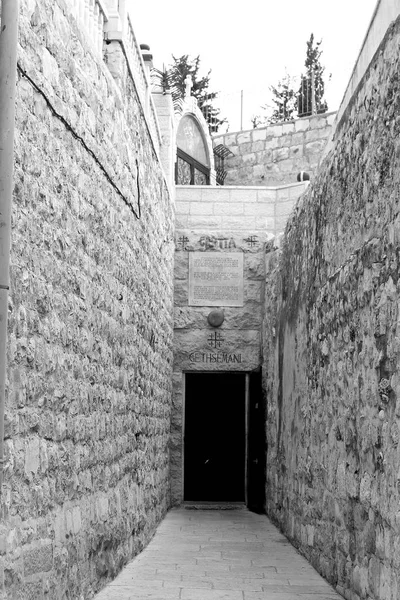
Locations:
column 192, row 162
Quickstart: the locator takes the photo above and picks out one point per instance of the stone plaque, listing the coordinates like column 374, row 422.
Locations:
column 216, row 279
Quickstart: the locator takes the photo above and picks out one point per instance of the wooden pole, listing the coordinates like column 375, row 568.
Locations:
column 8, row 78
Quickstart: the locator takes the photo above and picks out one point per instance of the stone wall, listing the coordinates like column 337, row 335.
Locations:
column 90, row 325
column 274, row 155
column 216, row 222
column 238, row 208
column 332, row 351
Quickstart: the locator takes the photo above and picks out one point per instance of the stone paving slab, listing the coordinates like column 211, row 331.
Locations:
column 218, row 555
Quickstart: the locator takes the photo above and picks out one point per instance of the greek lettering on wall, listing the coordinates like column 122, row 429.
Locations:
column 211, row 242
column 216, row 279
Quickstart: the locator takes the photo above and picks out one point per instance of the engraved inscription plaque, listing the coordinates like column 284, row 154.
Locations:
column 216, row 279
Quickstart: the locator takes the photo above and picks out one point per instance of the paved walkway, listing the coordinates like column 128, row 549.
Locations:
column 218, row 555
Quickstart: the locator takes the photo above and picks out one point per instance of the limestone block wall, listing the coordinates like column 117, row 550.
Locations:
column 331, row 351
column 274, row 155
column 90, row 321
column 216, row 221
column 220, row 221
column 235, row 207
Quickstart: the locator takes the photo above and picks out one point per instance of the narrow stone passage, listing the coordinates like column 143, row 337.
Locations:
column 218, row 555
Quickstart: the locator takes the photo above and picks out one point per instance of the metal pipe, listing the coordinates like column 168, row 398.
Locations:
column 8, row 78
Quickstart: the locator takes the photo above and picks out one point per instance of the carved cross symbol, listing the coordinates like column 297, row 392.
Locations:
column 215, row 340
column 182, row 241
column 252, row 240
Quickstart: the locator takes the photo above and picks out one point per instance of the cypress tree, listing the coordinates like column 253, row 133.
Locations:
column 312, row 82
column 284, row 99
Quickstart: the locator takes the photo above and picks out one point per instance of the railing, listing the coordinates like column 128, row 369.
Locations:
column 109, row 19
column 142, row 80
column 134, row 56
column 93, row 15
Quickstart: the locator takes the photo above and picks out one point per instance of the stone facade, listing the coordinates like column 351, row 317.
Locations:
column 220, row 222
column 331, row 331
column 240, row 348
column 274, row 155
column 90, row 326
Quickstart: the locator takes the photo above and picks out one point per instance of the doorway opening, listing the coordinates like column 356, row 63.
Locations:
column 215, row 437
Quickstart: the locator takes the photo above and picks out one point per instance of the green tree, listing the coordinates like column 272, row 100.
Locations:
column 177, row 74
column 284, row 99
column 284, row 103
column 312, row 86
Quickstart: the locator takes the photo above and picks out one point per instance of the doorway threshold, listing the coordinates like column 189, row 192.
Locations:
column 214, row 505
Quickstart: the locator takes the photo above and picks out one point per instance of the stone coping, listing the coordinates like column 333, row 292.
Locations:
column 385, row 12
column 216, row 136
column 243, row 187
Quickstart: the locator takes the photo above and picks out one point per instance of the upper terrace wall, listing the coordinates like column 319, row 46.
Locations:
column 90, row 326
column 235, row 208
column 274, row 155
column 332, row 350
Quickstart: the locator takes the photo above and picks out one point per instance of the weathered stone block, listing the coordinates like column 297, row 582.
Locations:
column 181, row 292
column 283, row 209
column 266, row 195
column 183, row 208
column 244, row 137
column 243, row 194
column 32, row 458
column 259, row 134
column 254, row 268
column 182, row 221
column 38, row 559
column 260, row 209
column 32, row 590
column 201, row 222
column 302, row 124
column 249, row 159
column 253, row 291
column 257, row 147
column 231, row 208
column 288, row 128
column 199, row 208
column 296, row 151
column 185, row 193
column 239, row 223
column 181, row 265
column 280, row 154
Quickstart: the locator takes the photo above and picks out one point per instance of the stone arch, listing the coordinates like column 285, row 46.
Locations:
column 191, row 114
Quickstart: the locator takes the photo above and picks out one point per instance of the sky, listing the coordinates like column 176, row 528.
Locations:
column 251, row 44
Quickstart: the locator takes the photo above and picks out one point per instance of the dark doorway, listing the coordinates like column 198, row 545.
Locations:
column 214, row 467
